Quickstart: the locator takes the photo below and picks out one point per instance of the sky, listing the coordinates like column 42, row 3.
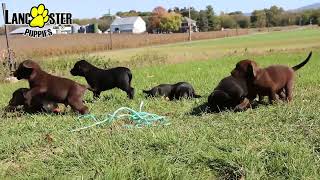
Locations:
column 96, row 8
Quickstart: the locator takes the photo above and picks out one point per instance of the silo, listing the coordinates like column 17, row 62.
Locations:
column 74, row 29
column 95, row 28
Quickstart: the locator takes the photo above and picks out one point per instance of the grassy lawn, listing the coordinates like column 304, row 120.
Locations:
column 271, row 142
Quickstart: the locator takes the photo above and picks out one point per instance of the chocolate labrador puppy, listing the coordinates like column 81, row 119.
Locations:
column 53, row 88
column 230, row 94
column 38, row 103
column 173, row 91
column 101, row 80
column 271, row 81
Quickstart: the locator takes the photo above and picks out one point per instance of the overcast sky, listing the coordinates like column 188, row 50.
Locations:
column 96, row 8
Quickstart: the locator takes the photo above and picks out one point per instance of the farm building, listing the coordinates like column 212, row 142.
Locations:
column 89, row 28
column 134, row 25
column 186, row 22
column 74, row 28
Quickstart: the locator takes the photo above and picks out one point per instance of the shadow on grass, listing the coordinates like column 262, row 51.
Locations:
column 225, row 169
column 200, row 110
column 92, row 100
column 20, row 112
column 205, row 109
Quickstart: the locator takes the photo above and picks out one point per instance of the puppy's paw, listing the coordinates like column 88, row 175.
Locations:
column 245, row 104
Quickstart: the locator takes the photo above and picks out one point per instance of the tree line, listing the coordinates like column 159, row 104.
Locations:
column 208, row 20
column 169, row 20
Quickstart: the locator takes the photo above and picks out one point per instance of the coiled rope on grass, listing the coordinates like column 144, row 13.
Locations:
column 140, row 118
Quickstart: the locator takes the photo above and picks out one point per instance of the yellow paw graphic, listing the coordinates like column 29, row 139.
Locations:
column 39, row 15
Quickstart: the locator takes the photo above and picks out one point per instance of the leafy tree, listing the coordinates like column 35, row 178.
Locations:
column 242, row 20
column 213, row 22
column 127, row 14
column 185, row 13
column 170, row 22
column 203, row 22
column 133, row 13
column 306, row 17
column 273, row 16
column 259, row 18
column 315, row 14
column 155, row 18
column 236, row 13
column 104, row 22
column 288, row 18
column 227, row 21
column 143, row 14
column 159, row 11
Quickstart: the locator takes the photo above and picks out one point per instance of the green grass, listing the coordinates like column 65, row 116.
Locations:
column 257, row 44
column 271, row 142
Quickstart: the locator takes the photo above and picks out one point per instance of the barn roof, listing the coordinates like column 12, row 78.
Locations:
column 124, row 21
column 19, row 30
column 186, row 19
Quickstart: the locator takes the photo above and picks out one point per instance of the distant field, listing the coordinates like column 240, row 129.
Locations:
column 271, row 142
column 81, row 43
column 256, row 44
column 247, row 46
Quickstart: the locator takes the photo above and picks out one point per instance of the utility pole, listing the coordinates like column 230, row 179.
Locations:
column 10, row 62
column 190, row 39
column 110, row 33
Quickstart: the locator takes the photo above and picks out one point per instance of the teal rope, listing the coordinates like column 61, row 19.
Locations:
column 140, row 118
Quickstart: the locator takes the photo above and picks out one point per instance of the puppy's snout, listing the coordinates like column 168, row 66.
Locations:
column 72, row 72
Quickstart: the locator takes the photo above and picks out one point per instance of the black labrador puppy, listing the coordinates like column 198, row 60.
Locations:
column 173, row 91
column 38, row 103
column 230, row 94
column 101, row 80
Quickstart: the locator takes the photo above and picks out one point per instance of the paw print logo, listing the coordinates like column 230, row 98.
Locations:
column 39, row 15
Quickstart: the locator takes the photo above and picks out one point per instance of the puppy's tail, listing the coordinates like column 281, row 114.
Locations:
column 146, row 91
column 297, row 67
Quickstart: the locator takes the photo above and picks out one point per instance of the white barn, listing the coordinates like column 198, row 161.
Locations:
column 134, row 25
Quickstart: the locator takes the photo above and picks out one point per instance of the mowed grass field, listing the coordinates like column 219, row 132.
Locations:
column 281, row 141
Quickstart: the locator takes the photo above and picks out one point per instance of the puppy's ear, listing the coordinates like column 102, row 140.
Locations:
column 84, row 68
column 29, row 70
column 27, row 65
column 251, row 70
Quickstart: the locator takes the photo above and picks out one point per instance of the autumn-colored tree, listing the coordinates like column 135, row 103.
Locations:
column 159, row 11
column 155, row 19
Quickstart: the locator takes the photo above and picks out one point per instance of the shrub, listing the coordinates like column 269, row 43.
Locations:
column 148, row 57
column 4, row 71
